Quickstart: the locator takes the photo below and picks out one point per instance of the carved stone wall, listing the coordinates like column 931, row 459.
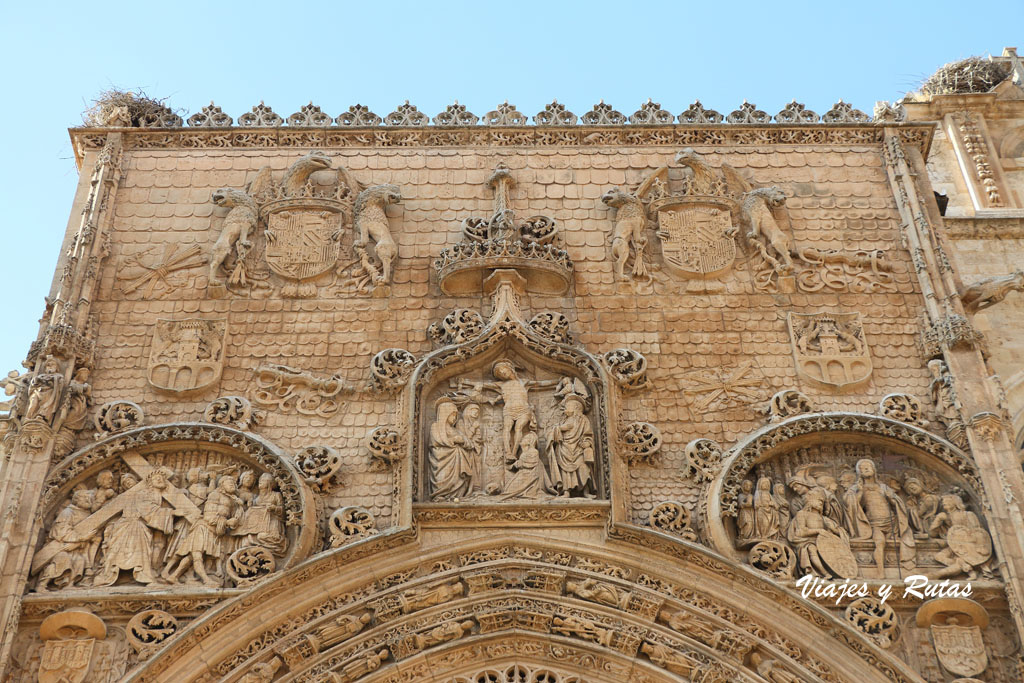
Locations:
column 475, row 401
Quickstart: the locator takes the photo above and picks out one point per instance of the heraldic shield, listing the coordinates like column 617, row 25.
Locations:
column 829, row 348
column 186, row 354
column 961, row 649
column 697, row 237
column 66, row 661
column 302, row 236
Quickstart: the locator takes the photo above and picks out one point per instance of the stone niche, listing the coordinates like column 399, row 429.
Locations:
column 852, row 506
column 511, row 426
column 172, row 507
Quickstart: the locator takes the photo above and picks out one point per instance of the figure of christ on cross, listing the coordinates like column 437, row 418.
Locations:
column 513, row 393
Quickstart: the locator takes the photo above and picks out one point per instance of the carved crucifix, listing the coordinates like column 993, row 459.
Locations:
column 90, row 525
column 517, row 416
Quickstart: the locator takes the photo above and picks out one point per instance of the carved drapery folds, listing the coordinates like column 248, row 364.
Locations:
column 315, row 226
column 169, row 505
column 838, row 506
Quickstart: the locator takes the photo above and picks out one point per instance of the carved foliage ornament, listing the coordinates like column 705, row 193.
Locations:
column 628, row 368
column 350, row 524
column 788, row 403
column 641, row 442
column 555, row 114
column 261, row 116
column 903, row 407
column 233, row 411
column 147, row 630
column 319, row 465
column 117, row 416
column 390, row 368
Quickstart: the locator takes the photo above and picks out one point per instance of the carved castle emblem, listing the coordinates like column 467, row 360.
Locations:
column 956, row 625
column 66, row 661
column 829, row 348
column 186, row 354
column 961, row 649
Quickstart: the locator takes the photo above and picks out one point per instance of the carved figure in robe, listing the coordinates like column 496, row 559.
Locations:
column 770, row 669
column 450, row 630
column 764, row 231
column 800, row 486
column 670, row 659
column 262, row 520
column 205, row 534
column 422, row 598
column 128, row 541
column 68, row 566
column 947, row 407
column 104, row 489
column 808, row 524
column 874, row 511
column 921, row 505
column 475, row 445
column 745, row 516
column 529, row 478
column 570, row 451
column 343, row 628
column 363, row 665
column 516, row 413
column 452, row 469
column 582, row 628
column 76, row 407
column 196, row 490
column 44, row 391
column 782, row 502
column 766, row 510
column 967, row 543
column 245, row 493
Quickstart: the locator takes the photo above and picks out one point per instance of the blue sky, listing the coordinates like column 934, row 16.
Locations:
column 58, row 56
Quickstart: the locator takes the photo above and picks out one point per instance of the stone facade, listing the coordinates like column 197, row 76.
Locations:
column 473, row 399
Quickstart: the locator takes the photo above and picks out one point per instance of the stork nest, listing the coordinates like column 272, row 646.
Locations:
column 126, row 108
column 971, row 75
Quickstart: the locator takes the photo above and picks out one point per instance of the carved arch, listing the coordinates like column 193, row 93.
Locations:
column 507, row 333
column 917, row 444
column 610, row 609
column 217, row 441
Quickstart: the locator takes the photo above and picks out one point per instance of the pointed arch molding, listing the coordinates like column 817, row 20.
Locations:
column 194, row 438
column 508, row 333
column 808, row 429
column 574, row 607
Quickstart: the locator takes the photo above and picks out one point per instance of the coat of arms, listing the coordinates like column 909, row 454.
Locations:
column 697, row 237
column 186, row 354
column 830, row 348
column 66, row 661
column 961, row 649
column 302, row 236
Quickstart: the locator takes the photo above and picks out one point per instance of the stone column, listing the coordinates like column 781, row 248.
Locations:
column 950, row 335
column 35, row 439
